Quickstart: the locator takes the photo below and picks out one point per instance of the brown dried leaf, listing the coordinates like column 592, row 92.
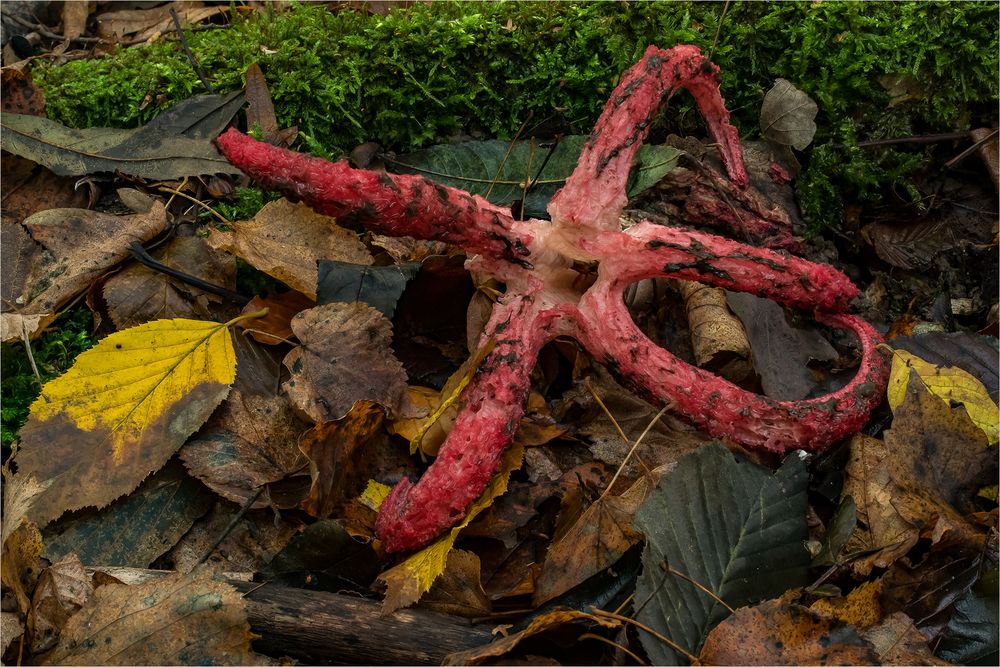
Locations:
column 344, row 357
column 778, row 633
column 21, row 95
column 910, row 245
column 21, row 563
column 861, row 608
column 62, row 589
column 248, row 442
column 458, row 590
column 898, row 642
column 285, row 241
column 275, row 327
column 79, row 245
column 334, row 449
column 139, row 294
column 260, row 112
column 788, row 116
column 908, row 486
column 39, row 190
column 192, row 619
column 152, row 22
column 717, row 336
column 74, row 16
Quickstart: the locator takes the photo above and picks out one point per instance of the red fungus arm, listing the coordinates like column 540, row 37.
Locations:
column 396, row 205
column 414, row 514
column 594, row 194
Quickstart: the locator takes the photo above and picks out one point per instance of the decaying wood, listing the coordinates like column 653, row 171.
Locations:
column 317, row 627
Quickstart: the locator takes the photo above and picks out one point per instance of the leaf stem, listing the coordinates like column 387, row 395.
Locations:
column 642, row 626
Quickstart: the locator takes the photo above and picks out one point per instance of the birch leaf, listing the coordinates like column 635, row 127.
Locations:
column 121, row 411
column 788, row 116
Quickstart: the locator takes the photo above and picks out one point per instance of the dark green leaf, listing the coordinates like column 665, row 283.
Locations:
column 378, row 286
column 324, row 557
column 837, row 533
column 729, row 525
column 480, row 168
column 133, row 531
column 971, row 635
column 175, row 144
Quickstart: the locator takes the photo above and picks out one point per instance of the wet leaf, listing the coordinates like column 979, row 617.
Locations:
column 248, row 442
column 952, row 385
column 285, row 240
column 121, row 411
column 971, row 635
column 458, row 591
column 485, row 168
column 408, row 581
column 333, row 449
column 752, row 550
column 788, row 116
column 62, row 589
column 193, row 619
column 378, row 286
column 325, row 557
column 979, row 355
column 77, row 247
column 133, row 531
column 139, row 294
column 344, row 357
column 175, row 144
column 911, row 485
column 778, row 633
column 838, row 532
column 781, row 353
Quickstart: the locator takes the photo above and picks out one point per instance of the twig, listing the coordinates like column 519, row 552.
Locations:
column 918, row 139
column 649, row 427
column 968, row 151
column 140, row 255
column 591, row 635
column 669, row 642
column 665, row 566
column 510, row 149
column 718, row 30
column 165, row 188
column 232, row 524
column 187, row 50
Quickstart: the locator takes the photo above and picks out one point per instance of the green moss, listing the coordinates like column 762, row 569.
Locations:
column 433, row 70
column 53, row 352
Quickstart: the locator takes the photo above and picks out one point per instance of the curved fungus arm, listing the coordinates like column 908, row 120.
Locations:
column 594, row 194
column 392, row 204
column 414, row 514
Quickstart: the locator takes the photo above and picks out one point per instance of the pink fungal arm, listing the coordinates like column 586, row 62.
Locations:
column 545, row 298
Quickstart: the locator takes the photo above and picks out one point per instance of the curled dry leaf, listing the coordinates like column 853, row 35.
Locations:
column 718, row 338
column 897, row 641
column 345, row 356
column 285, row 240
column 21, row 563
column 62, row 589
column 275, row 327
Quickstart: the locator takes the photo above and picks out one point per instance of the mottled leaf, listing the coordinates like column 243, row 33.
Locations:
column 378, row 286
column 788, row 116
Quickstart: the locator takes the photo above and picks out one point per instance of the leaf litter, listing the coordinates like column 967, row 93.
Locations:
column 917, row 516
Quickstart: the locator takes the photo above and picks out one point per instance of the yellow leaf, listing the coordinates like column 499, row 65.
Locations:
column 122, row 410
column 948, row 383
column 374, row 494
column 406, row 582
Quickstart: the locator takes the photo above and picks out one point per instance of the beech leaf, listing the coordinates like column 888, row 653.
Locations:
column 121, row 411
column 788, row 116
column 731, row 526
column 950, row 384
column 175, row 144
column 486, row 168
column 378, row 286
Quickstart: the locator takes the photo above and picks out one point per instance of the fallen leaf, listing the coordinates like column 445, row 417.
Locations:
column 407, row 582
column 74, row 16
column 595, row 541
column 172, row 145
column 378, row 286
column 977, row 354
column 19, row 253
column 788, row 116
column 952, row 385
column 285, row 240
column 333, row 449
column 29, row 188
column 778, row 633
column 21, row 564
column 78, row 246
column 121, row 411
column 971, row 636
column 62, row 589
column 21, row 95
column 248, row 443
column 543, row 623
column 11, row 629
column 913, row 484
column 898, row 642
column 193, row 619
column 749, row 552
column 136, row 529
column 862, row 608
column 781, row 353
column 19, row 327
column 718, row 338
column 275, row 328
column 344, row 357
column 260, row 109
column 138, row 294
column 459, row 590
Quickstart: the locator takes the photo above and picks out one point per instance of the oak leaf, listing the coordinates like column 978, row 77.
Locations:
column 121, row 411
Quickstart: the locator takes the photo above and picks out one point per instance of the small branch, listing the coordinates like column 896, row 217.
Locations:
column 140, row 255
column 916, row 139
column 187, row 50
